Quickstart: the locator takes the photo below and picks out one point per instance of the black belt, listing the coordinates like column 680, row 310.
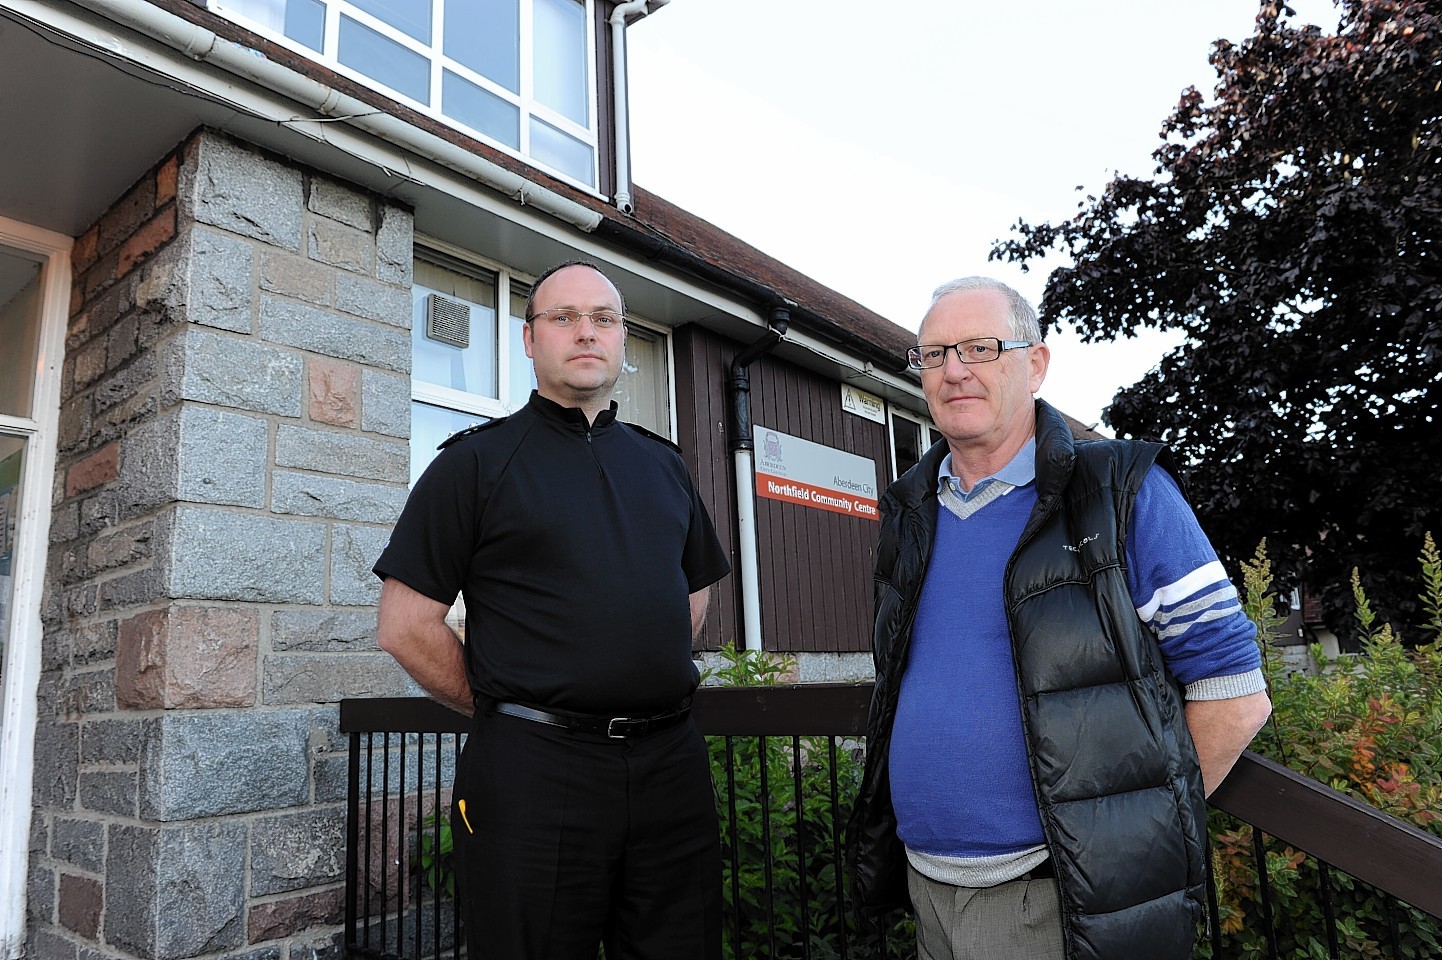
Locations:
column 617, row 728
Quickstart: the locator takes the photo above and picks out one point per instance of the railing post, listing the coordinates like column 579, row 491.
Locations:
column 352, row 838
column 1264, row 892
column 842, row 893
column 455, row 911
column 1329, row 913
column 803, row 888
column 763, row 762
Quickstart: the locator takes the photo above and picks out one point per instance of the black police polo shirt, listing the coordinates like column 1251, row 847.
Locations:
column 576, row 547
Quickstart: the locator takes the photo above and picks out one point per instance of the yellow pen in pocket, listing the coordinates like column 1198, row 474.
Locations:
column 461, row 806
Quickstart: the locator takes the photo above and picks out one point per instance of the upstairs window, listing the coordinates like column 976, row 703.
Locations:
column 520, row 74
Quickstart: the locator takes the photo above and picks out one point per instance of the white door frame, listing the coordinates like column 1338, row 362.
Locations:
column 22, row 654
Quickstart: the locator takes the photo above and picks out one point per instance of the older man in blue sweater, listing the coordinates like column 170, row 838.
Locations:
column 1063, row 671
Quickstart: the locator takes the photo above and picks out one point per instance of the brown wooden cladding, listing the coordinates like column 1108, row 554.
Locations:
column 701, row 361
column 815, row 566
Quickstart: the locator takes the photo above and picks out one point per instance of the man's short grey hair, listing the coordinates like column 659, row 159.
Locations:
column 1021, row 316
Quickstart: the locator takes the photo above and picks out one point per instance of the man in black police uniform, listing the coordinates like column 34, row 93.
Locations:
column 583, row 811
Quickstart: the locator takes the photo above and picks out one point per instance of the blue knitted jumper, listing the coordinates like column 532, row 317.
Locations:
column 960, row 779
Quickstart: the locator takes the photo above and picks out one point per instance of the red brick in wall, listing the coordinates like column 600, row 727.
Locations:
column 81, row 899
column 98, row 468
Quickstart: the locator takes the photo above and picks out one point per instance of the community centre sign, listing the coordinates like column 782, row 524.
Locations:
column 813, row 475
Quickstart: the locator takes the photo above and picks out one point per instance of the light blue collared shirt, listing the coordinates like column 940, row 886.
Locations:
column 1020, row 471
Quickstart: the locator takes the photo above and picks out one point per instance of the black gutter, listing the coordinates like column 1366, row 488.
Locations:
column 738, row 387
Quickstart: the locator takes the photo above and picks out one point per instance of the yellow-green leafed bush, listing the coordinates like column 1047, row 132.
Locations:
column 1369, row 726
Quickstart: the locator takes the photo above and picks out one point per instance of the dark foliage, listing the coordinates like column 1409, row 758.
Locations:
column 1292, row 229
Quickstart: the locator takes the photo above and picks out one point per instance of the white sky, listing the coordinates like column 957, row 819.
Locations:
column 882, row 148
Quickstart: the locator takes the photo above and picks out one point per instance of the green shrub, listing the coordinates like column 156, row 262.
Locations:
column 788, row 887
column 1369, row 726
column 434, row 857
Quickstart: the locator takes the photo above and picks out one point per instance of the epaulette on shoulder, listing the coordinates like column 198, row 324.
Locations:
column 654, row 436
column 472, row 430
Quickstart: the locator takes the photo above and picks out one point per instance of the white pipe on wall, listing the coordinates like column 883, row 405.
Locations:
column 746, row 548
column 620, row 102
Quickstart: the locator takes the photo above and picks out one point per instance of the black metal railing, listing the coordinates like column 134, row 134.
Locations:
column 1362, row 882
column 786, row 761
column 399, row 890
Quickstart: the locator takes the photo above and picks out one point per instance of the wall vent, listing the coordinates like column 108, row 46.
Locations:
column 448, row 321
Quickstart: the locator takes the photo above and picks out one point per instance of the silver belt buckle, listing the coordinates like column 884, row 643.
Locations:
column 611, row 727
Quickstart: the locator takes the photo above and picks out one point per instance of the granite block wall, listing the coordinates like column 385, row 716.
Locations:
column 235, row 417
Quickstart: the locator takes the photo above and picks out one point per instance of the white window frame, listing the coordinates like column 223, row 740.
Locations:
column 668, row 358
column 22, row 667
column 923, row 422
column 463, row 401
column 434, row 53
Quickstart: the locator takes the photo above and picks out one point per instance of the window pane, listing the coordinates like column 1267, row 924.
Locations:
column 480, row 109
column 522, row 371
column 561, row 152
column 429, row 426
column 381, row 58
column 485, row 35
column 907, row 434
column 641, row 394
column 560, row 58
column 305, row 22
column 270, row 14
column 411, row 17
column 301, row 20
column 19, row 332
column 471, row 368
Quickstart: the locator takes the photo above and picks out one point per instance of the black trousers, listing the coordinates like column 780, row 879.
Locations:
column 572, row 840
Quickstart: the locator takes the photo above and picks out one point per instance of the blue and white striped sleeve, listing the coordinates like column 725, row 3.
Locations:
column 1182, row 592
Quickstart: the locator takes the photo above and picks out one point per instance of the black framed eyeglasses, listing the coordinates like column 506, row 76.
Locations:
column 924, row 356
column 565, row 319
